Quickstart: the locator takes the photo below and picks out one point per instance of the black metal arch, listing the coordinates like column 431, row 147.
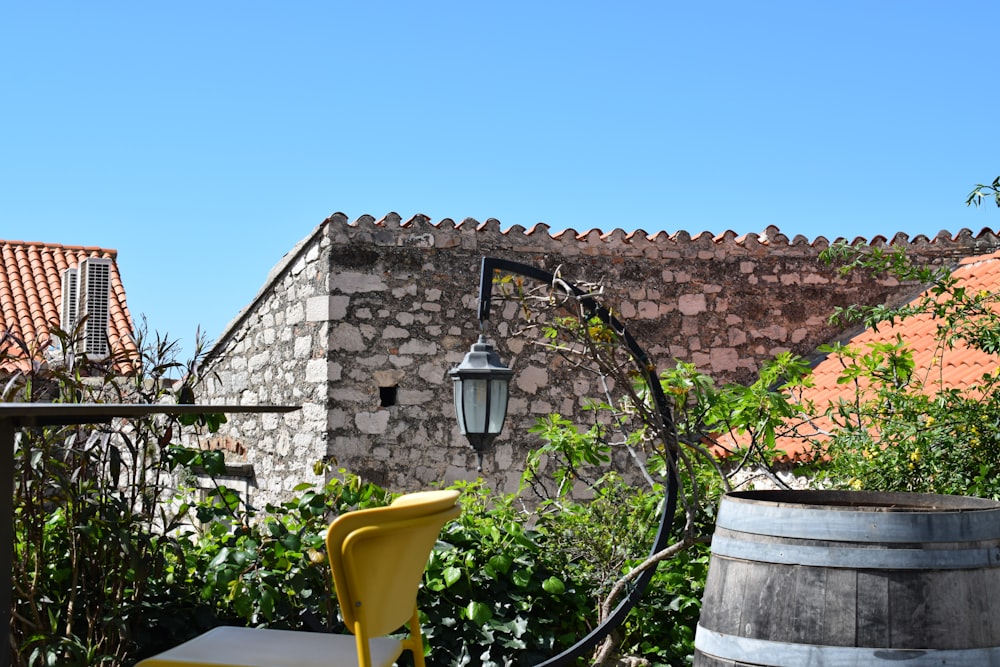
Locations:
column 648, row 372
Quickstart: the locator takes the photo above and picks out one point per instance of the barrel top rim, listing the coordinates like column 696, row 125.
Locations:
column 865, row 501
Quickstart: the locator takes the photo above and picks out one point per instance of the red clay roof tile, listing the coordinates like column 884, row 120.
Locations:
column 31, row 291
column 960, row 366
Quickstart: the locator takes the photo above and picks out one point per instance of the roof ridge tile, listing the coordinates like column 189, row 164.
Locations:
column 771, row 236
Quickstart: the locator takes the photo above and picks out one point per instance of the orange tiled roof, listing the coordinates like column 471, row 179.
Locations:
column 31, row 291
column 961, row 366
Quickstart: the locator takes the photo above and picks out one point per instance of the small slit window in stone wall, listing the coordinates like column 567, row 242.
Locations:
column 387, row 396
column 388, row 386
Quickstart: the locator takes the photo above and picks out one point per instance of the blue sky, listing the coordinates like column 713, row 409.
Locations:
column 202, row 140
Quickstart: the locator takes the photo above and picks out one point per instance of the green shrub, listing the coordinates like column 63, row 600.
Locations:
column 92, row 530
column 904, row 428
column 493, row 594
column 270, row 569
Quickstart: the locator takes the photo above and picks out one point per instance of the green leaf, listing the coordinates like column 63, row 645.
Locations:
column 214, row 462
column 267, row 601
column 291, row 541
column 554, row 586
column 501, row 563
column 220, row 558
column 521, row 578
column 478, row 613
column 451, row 575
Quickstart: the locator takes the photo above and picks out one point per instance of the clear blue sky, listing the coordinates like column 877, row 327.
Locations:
column 202, row 140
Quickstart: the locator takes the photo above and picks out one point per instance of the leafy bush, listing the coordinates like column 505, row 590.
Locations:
column 493, row 594
column 511, row 587
column 92, row 533
column 905, row 428
column 269, row 570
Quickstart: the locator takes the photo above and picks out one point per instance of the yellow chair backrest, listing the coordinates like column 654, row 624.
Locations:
column 378, row 558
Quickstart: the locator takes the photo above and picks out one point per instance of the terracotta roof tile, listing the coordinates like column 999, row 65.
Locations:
column 31, row 291
column 960, row 366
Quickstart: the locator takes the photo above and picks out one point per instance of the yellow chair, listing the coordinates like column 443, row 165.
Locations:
column 378, row 557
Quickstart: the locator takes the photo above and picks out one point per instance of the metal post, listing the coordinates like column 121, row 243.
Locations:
column 648, row 372
column 6, row 534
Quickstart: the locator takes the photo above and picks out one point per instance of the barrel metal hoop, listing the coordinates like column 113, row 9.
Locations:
column 826, row 523
column 783, row 654
column 842, row 556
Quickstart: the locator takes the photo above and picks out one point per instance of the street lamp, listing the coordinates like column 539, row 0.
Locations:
column 480, row 384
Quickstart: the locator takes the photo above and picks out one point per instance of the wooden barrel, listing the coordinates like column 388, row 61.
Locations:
column 847, row 579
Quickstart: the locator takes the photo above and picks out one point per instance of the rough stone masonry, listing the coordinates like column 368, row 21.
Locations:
column 360, row 322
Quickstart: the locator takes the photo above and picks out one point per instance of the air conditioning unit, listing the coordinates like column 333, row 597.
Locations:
column 94, row 303
column 70, row 291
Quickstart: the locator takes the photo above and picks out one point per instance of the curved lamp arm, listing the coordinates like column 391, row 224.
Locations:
column 648, row 372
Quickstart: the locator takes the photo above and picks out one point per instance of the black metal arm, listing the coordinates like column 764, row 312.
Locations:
column 648, row 372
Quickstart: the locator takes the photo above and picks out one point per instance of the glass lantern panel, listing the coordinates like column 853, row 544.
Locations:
column 457, row 387
column 475, row 402
column 498, row 404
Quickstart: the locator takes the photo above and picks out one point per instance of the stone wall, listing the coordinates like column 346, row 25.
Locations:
column 361, row 321
column 274, row 352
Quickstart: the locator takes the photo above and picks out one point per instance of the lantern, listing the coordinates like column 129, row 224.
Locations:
column 480, row 384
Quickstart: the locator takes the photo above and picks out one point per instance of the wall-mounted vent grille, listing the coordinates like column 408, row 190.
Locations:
column 69, row 300
column 94, row 304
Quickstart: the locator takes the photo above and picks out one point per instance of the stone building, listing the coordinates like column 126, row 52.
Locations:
column 360, row 322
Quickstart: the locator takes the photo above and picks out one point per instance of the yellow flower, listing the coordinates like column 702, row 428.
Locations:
column 915, row 456
column 857, row 484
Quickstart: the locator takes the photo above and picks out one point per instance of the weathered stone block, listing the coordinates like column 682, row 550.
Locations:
column 692, row 304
